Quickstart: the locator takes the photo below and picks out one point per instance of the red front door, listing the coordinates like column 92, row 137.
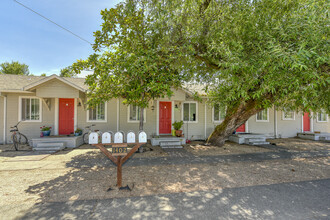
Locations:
column 306, row 122
column 66, row 116
column 241, row 128
column 165, row 117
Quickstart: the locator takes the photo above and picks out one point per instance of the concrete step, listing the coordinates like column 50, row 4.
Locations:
column 172, row 146
column 169, row 143
column 256, row 139
column 258, row 143
column 50, row 146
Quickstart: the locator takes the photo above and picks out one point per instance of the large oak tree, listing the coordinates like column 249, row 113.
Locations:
column 250, row 54
column 254, row 54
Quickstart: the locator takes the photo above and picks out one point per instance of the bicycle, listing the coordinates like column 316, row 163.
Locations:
column 88, row 130
column 17, row 137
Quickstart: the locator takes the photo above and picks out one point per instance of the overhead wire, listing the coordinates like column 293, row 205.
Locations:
column 60, row 26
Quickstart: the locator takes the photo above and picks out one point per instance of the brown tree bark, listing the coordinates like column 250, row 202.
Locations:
column 235, row 117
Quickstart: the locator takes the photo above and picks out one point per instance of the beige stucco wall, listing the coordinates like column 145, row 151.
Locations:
column 30, row 129
column 191, row 130
column 55, row 88
column 288, row 128
column 110, row 125
column 266, row 128
column 321, row 126
column 1, row 119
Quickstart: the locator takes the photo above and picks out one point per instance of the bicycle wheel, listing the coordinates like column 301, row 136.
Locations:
column 15, row 142
column 22, row 139
column 85, row 138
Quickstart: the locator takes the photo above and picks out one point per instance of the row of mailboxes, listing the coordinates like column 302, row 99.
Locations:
column 117, row 138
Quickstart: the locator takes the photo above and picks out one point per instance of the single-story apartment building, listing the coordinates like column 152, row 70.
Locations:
column 60, row 102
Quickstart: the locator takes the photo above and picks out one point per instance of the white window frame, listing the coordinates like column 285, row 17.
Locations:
column 105, row 115
column 317, row 119
column 263, row 120
column 136, row 121
column 182, row 109
column 216, row 121
column 288, row 119
column 20, row 108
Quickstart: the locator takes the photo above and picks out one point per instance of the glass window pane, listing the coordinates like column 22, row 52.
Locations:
column 27, row 109
column 101, row 111
column 322, row 117
column 35, row 108
column 264, row 115
column 92, row 114
column 259, row 117
column 186, row 111
column 288, row 115
column 192, row 114
column 132, row 113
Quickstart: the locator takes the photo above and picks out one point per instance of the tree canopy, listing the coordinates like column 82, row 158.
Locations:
column 129, row 63
column 15, row 68
column 250, row 55
column 67, row 72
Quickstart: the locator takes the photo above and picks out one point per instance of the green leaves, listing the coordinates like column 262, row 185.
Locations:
column 135, row 66
column 15, row 68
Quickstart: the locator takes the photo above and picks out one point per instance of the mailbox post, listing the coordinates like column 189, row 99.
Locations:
column 119, row 152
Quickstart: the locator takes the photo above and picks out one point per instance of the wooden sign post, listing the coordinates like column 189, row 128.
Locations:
column 119, row 152
column 119, row 160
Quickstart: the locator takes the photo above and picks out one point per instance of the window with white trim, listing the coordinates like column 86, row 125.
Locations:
column 97, row 113
column 219, row 113
column 262, row 116
column 322, row 117
column 288, row 115
column 190, row 111
column 134, row 113
column 30, row 109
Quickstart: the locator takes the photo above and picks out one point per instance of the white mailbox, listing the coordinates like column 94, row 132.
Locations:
column 93, row 138
column 142, row 137
column 119, row 137
column 130, row 137
column 106, row 138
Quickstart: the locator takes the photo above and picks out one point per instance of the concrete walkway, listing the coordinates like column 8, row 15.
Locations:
column 299, row 200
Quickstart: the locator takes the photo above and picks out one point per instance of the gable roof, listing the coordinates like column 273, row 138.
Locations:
column 62, row 79
column 23, row 83
column 20, row 83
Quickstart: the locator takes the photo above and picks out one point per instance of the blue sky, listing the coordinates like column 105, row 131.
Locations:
column 46, row 48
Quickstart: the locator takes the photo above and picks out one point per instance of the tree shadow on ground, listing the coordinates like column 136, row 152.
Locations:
column 302, row 200
column 86, row 183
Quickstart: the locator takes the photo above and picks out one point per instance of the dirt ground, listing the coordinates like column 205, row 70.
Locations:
column 199, row 148
column 298, row 144
column 55, row 179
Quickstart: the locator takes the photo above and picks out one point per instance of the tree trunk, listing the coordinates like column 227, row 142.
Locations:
column 235, row 117
column 141, row 119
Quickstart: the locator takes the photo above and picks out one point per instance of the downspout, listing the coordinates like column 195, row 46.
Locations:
column 275, row 123
column 4, row 118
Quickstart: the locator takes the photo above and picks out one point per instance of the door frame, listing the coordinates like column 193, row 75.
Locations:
column 157, row 114
column 57, row 116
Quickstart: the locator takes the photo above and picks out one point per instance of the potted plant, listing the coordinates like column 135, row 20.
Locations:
column 177, row 126
column 45, row 130
column 78, row 132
